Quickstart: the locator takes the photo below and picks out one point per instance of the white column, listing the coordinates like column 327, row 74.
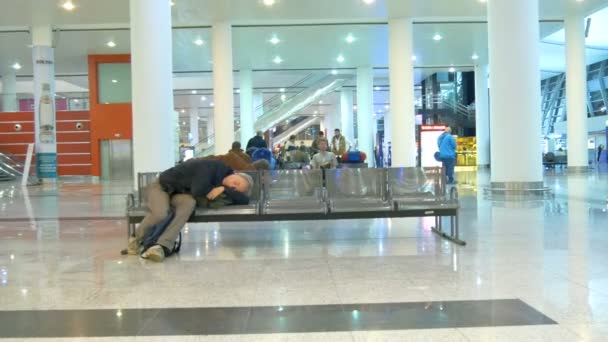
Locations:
column 43, row 57
column 247, row 119
column 152, row 87
column 347, row 114
column 365, row 111
column 223, row 87
column 482, row 115
column 258, row 102
column 387, row 129
column 515, row 101
column 576, row 92
column 401, row 68
column 210, row 128
column 9, row 90
column 194, row 127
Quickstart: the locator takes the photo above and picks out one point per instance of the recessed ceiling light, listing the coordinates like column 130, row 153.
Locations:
column 16, row 66
column 212, row 104
column 203, row 98
column 199, row 42
column 350, row 38
column 452, row 69
column 340, row 59
column 76, row 100
column 355, row 107
column 111, row 44
column 172, row 3
column 277, row 60
column 194, row 92
column 475, row 56
column 483, row 1
column 414, row 58
column 437, row 37
column 238, row 91
column 377, row 88
column 68, row 5
column 282, row 90
column 316, row 112
column 369, row 2
column 334, row 72
column 274, row 40
column 269, row 2
column 114, row 81
column 283, row 97
column 183, row 111
column 320, row 101
column 386, row 106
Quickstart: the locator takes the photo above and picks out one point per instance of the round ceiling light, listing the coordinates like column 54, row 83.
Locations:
column 199, row 42
column 475, row 57
column 452, row 69
column 68, row 5
column 334, row 72
column 369, row 2
column 437, row 37
column 340, row 59
column 269, row 3
column 278, row 60
column 414, row 58
column 111, row 44
column 350, row 38
column 274, row 40
column 16, row 66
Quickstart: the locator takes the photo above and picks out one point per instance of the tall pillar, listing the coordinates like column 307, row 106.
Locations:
column 9, row 90
column 258, row 103
column 482, row 115
column 365, row 111
column 347, row 113
column 576, row 92
column 194, row 136
column 246, row 97
column 515, row 102
column 223, row 87
column 401, row 72
column 152, row 83
column 43, row 55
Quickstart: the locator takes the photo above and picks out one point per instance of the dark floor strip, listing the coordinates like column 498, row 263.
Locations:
column 268, row 320
column 60, row 219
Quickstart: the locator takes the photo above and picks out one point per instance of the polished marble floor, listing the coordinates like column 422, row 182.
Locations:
column 59, row 250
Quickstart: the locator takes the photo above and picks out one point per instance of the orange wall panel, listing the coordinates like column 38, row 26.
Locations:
column 74, row 148
column 74, row 170
column 74, row 159
column 108, row 121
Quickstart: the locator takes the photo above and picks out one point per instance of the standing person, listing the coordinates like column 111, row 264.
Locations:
column 599, row 152
column 315, row 143
column 179, row 187
column 338, row 143
column 256, row 142
column 324, row 159
column 290, row 146
column 447, row 153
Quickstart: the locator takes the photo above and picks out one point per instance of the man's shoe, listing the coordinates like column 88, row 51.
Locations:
column 133, row 248
column 155, row 253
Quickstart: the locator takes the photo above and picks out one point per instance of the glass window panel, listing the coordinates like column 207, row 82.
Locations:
column 114, row 82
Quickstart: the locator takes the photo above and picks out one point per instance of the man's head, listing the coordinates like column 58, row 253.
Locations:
column 292, row 138
column 321, row 134
column 236, row 145
column 448, row 130
column 240, row 182
column 323, row 145
column 261, row 164
column 302, row 148
column 259, row 133
column 337, row 132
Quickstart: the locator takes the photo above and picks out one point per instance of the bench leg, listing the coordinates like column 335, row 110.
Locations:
column 453, row 236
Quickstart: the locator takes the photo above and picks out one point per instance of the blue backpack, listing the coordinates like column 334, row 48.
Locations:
column 154, row 233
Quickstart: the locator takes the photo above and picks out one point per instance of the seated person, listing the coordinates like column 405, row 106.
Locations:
column 237, row 150
column 300, row 156
column 324, row 159
column 179, row 187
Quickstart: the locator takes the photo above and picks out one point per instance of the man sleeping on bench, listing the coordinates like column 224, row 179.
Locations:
column 179, row 188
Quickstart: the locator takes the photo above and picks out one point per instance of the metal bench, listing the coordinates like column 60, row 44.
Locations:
column 297, row 195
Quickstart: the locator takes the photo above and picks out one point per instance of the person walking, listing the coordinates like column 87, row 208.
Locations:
column 599, row 152
column 338, row 144
column 447, row 153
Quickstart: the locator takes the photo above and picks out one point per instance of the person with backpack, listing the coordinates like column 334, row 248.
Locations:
column 447, row 153
column 179, row 187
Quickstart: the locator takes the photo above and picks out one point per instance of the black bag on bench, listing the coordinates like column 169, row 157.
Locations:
column 154, row 233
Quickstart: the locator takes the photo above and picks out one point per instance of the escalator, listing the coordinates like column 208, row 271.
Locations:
column 10, row 169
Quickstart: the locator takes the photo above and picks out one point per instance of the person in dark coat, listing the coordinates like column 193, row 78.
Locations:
column 195, row 178
column 256, row 142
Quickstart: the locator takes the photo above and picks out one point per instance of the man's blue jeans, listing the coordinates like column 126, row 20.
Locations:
column 449, row 164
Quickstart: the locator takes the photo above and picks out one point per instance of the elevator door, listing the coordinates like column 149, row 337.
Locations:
column 116, row 159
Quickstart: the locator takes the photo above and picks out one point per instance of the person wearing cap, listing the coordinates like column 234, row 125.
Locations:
column 178, row 187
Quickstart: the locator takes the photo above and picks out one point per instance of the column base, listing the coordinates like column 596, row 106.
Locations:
column 578, row 169
column 517, row 188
